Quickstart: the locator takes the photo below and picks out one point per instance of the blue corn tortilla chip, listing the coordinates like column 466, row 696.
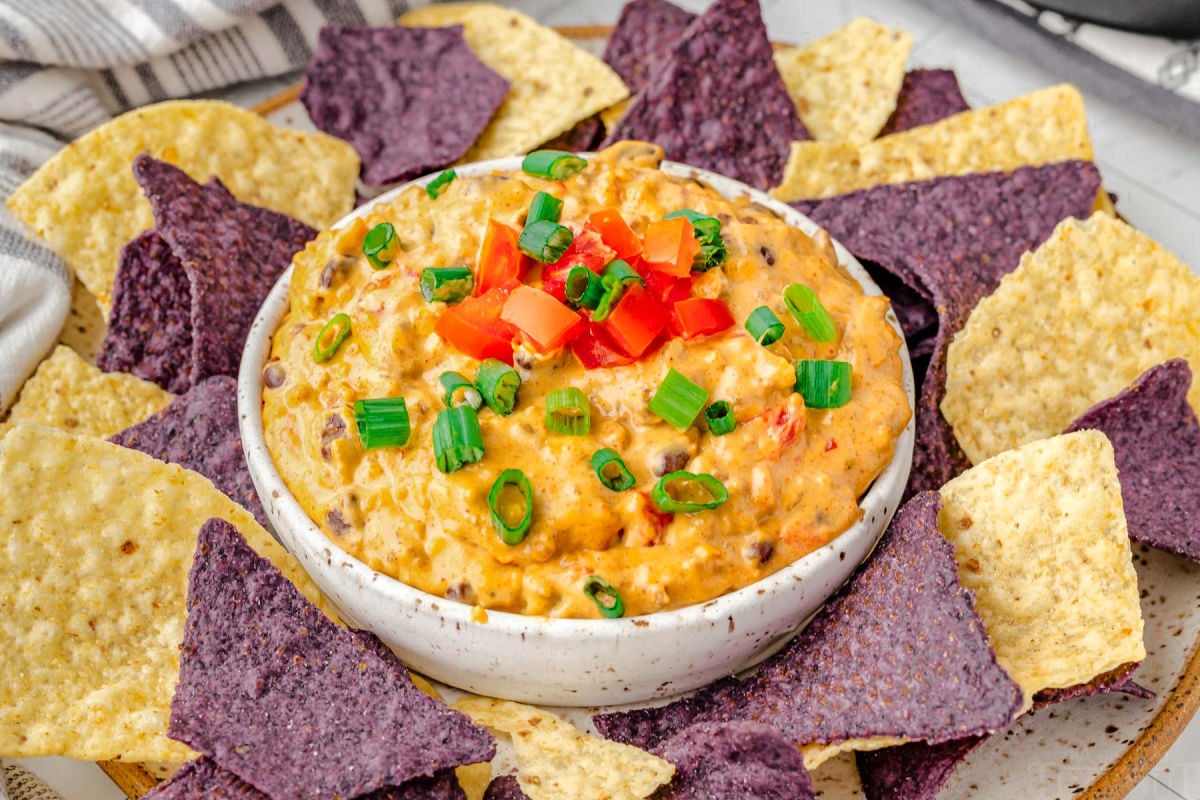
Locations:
column 204, row 779
column 899, row 651
column 276, row 693
column 231, row 252
column 150, row 325
column 737, row 118
column 1119, row 680
column 1156, row 439
column 732, row 761
column 643, row 39
column 927, row 95
column 583, row 135
column 504, row 787
column 199, row 431
column 410, row 100
column 915, row 771
column 951, row 240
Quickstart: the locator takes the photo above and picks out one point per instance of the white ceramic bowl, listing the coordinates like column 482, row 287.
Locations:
column 567, row 662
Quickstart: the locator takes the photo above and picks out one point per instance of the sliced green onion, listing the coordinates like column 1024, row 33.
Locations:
column 712, row 252
column 613, row 289
column 435, row 186
column 611, row 470
column 678, row 400
column 764, row 326
column 380, row 245
column 605, row 596
column 544, row 206
column 511, row 533
column 688, row 492
column 567, row 411
column 382, row 422
column 584, row 287
column 555, row 165
column 336, row 331
column 459, row 391
column 690, row 214
column 624, row 273
column 710, row 255
column 545, row 240
column 823, row 384
column 457, row 440
column 446, row 284
column 498, row 383
column 719, row 417
column 807, row 309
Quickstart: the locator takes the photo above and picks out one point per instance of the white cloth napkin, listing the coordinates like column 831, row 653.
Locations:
column 67, row 67
column 21, row 784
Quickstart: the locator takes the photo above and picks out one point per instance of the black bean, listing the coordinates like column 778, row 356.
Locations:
column 337, row 522
column 767, row 255
column 761, row 551
column 334, row 270
column 461, row 591
column 671, row 460
column 335, row 428
column 274, row 375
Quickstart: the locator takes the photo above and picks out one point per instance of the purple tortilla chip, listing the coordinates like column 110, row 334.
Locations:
column 1156, row 438
column 504, row 787
column 232, row 254
column 927, row 95
column 199, row 431
column 732, row 761
column 299, row 708
column 952, row 239
column 1118, row 680
column 915, row 771
column 204, row 779
column 719, row 101
column 150, row 326
column 410, row 100
column 898, row 651
column 643, row 40
column 584, row 135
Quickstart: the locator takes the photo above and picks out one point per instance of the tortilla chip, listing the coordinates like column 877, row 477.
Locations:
column 1040, row 128
column 85, row 204
column 960, row 236
column 1119, row 680
column 92, row 664
column 914, row 771
column 232, row 254
column 199, row 431
column 1041, row 540
column 1081, row 317
column 612, row 115
column 558, row 762
column 505, row 787
column 926, row 96
column 438, row 15
column 643, row 40
column 735, row 760
column 845, row 85
column 69, row 393
column 85, row 327
column 920, row 667
column 427, row 78
column 736, row 120
column 553, row 84
column 586, row 135
column 1157, row 441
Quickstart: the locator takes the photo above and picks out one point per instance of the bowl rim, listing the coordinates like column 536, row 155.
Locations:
column 887, row 488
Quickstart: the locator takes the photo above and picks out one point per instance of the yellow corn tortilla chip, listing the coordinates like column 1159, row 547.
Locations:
column 1039, row 128
column 69, row 393
column 1078, row 320
column 845, row 85
column 85, row 204
column 1041, row 539
column 90, row 665
column 474, row 779
column 85, row 327
column 612, row 115
column 438, row 15
column 559, row 762
column 553, row 84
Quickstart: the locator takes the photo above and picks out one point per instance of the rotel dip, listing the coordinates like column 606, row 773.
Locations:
column 793, row 473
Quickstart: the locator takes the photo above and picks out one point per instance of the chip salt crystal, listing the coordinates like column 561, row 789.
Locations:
column 1040, row 128
column 1041, row 539
column 1081, row 317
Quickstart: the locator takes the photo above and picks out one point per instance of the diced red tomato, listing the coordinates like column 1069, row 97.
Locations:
column 587, row 249
column 474, row 327
column 785, row 423
column 594, row 349
column 616, row 233
column 500, row 260
column 702, row 316
column 667, row 288
column 636, row 321
column 670, row 246
column 543, row 321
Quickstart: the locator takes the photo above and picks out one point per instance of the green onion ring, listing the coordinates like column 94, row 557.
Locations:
column 584, row 287
column 340, row 323
column 457, row 440
column 807, row 309
column 764, row 326
column 380, row 245
column 435, row 186
column 661, row 494
column 555, row 165
column 459, row 391
column 677, row 400
column 446, row 284
column 719, row 417
column 382, row 422
column 544, row 206
column 511, row 534
column 824, row 384
column 545, row 240
column 605, row 596
column 498, row 383
column 567, row 412
column 611, row 470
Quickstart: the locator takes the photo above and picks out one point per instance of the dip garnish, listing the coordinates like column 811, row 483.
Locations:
column 567, row 412
column 615, row 232
column 555, row 165
column 382, row 422
column 611, row 470
column 764, row 326
column 670, row 246
column 501, row 506
column 500, row 260
column 435, row 186
column 707, row 231
column 545, row 240
column 457, row 440
column 380, row 245
column 543, row 206
column 605, row 596
column 583, row 288
column 446, row 284
column 542, row 320
column 678, row 400
column 807, row 309
column 823, row 384
column 637, row 320
column 621, row 272
column 688, row 492
column 719, row 417
column 702, row 316
column 498, row 383
column 459, row 391
column 336, row 331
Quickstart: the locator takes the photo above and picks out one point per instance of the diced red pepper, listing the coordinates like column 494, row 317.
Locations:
column 667, row 288
column 544, row 322
column 670, row 246
column 636, row 321
column 616, row 233
column 474, row 327
column 587, row 249
column 500, row 261
column 594, row 349
column 702, row 316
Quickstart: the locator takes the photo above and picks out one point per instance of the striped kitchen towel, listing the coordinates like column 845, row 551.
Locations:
column 68, row 66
